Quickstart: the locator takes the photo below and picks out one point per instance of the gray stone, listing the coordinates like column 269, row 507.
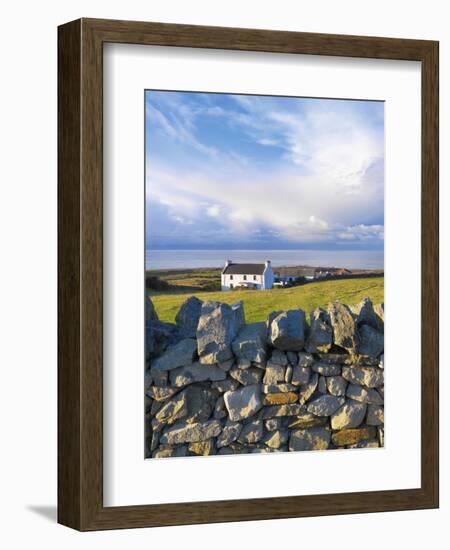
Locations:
column 379, row 311
column 225, row 385
column 226, row 365
column 290, row 409
column 366, row 315
column 278, row 388
column 322, row 385
column 327, row 369
column 202, row 448
column 300, row 375
column 175, row 356
column 307, row 420
column 274, row 374
column 308, row 389
column 372, row 377
column 288, row 374
column 196, row 373
column 150, row 312
column 218, row 326
column 167, row 452
column 345, row 334
column 279, row 357
column 325, row 405
column 320, row 337
column 244, row 364
column 305, row 359
column 336, row 385
column 372, row 341
column 381, row 363
column 246, row 377
column 230, row 433
column 275, row 439
column 172, row 411
column 365, row 444
column 188, row 316
column 272, row 424
column 219, row 409
column 375, row 415
column 310, row 439
column 160, row 378
column 251, row 432
column 364, row 395
column 161, row 393
column 287, row 330
column 182, row 432
column 380, row 432
column 244, row 402
column 251, row 343
column 350, row 415
column 292, row 357
column 158, row 336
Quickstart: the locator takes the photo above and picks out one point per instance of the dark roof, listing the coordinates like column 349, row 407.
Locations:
column 244, row 269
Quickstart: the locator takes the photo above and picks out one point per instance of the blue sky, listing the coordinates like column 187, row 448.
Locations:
column 262, row 172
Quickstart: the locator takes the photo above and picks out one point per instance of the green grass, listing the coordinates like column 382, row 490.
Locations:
column 259, row 303
column 189, row 281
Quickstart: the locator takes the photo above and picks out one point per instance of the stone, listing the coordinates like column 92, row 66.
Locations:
column 320, row 337
column 287, row 330
column 278, row 388
column 226, row 365
column 345, row 334
column 327, row 369
column 336, row 358
column 230, row 433
column 353, row 435
column 305, row 359
column 367, row 444
column 336, row 385
column 307, row 390
column 274, row 374
column 300, row 375
column 309, row 439
column 196, row 373
column 364, row 395
column 244, row 364
column 182, row 432
column 188, row 316
column 218, row 326
column 219, row 409
column 244, row 402
column 372, row 341
column 172, row 411
column 251, row 343
column 160, row 378
column 307, row 420
column 175, row 356
column 366, row 315
column 280, row 398
column 292, row 357
column 251, row 432
column 170, row 451
column 202, row 448
column 246, row 377
column 225, row 385
column 379, row 311
column 375, row 415
column 158, row 336
column 372, row 377
column 279, row 357
column 322, row 385
column 350, row 415
column 325, row 405
column 162, row 393
column 380, row 433
column 276, row 439
column 381, row 363
column 290, row 409
column 150, row 312
column 272, row 424
column 288, row 374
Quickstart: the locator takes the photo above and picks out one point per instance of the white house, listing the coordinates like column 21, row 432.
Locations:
column 259, row 276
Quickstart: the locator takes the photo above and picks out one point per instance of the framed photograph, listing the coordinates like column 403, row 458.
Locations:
column 248, row 274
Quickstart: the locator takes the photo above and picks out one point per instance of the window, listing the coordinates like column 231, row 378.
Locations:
column 231, row 285
column 231, row 277
column 245, row 277
column 254, row 277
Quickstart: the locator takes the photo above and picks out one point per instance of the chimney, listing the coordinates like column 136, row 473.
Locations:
column 228, row 262
column 267, row 263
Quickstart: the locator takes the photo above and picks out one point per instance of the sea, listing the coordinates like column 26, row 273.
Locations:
column 190, row 259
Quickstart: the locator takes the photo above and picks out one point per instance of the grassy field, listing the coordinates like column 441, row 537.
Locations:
column 189, row 280
column 259, row 303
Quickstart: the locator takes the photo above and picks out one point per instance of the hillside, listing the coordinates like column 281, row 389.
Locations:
column 258, row 304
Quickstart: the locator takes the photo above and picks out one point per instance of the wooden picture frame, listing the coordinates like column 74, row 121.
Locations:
column 80, row 271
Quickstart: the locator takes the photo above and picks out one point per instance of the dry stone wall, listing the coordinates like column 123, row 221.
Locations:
column 217, row 385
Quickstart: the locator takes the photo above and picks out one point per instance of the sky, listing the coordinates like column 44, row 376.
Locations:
column 263, row 172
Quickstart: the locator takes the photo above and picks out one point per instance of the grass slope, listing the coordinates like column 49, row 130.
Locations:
column 258, row 304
